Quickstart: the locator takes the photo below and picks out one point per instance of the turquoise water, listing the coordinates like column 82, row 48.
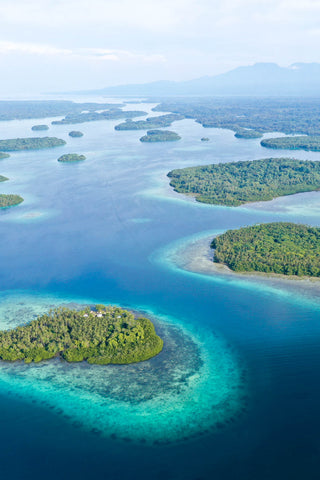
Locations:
column 235, row 392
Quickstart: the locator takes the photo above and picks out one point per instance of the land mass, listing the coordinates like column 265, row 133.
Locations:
column 160, row 136
column 75, row 134
column 300, row 142
column 236, row 183
column 39, row 127
column 71, row 157
column 247, row 133
column 4, row 155
column 281, row 248
column 151, row 122
column 102, row 335
column 9, row 200
column 113, row 114
column 32, row 143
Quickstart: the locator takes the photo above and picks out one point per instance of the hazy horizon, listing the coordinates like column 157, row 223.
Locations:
column 63, row 45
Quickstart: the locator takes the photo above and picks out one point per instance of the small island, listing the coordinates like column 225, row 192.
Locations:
column 71, row 157
column 151, row 122
column 9, row 200
column 100, row 335
column 280, row 248
column 160, row 136
column 39, row 128
column 237, row 183
column 205, row 139
column 112, row 114
column 32, row 143
column 4, row 155
column 75, row 134
column 3, row 179
column 299, row 142
column 247, row 133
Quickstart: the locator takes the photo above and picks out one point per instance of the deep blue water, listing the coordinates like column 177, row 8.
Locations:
column 95, row 231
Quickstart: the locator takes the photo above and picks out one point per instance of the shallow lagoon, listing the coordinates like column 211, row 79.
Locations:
column 102, row 226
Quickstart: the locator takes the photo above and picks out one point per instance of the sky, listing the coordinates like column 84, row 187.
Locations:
column 59, row 45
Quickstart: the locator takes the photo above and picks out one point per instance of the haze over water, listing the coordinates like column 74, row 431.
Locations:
column 97, row 232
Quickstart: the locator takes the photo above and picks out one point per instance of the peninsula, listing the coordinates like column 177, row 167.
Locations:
column 160, row 136
column 100, row 335
column 299, row 142
column 32, row 143
column 247, row 133
column 9, row 200
column 281, row 248
column 4, row 155
column 236, row 183
column 71, row 157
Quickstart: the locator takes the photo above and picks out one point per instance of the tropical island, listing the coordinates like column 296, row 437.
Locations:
column 247, row 133
column 281, row 248
column 299, row 142
column 39, row 127
column 71, row 157
column 151, row 122
column 32, row 143
column 75, row 134
column 236, row 183
column 160, row 136
column 99, row 335
column 4, row 155
column 112, row 114
column 9, row 200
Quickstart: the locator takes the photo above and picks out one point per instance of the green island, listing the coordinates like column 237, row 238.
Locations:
column 75, row 134
column 9, row 200
column 39, row 127
column 247, row 133
column 3, row 179
column 4, row 155
column 112, row 114
column 160, row 136
column 151, row 122
column 281, row 248
column 102, row 335
column 300, row 142
column 71, row 157
column 32, row 143
column 236, row 183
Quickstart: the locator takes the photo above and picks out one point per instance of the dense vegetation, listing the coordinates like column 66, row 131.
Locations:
column 3, row 179
column 293, row 143
column 285, row 248
column 75, row 134
column 71, row 157
column 4, row 155
column 112, row 114
column 101, row 336
column 236, row 183
column 246, row 133
column 9, row 200
column 287, row 115
column 160, row 136
column 151, row 122
column 32, row 143
column 39, row 127
column 17, row 110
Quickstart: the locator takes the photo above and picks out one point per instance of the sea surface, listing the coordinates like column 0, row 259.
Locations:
column 235, row 393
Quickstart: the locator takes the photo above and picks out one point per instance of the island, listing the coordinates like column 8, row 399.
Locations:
column 299, row 142
column 160, row 136
column 279, row 247
column 3, row 179
column 112, row 114
column 71, row 157
column 100, row 335
column 4, row 155
column 75, row 134
column 236, row 183
column 39, row 127
column 9, row 200
column 205, row 139
column 151, row 122
column 247, row 133
column 32, row 143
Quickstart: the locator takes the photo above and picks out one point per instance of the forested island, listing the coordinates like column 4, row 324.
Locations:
column 246, row 133
column 39, row 127
column 4, row 155
column 300, row 142
column 75, row 134
column 71, row 157
column 32, row 143
column 101, row 335
column 3, row 179
column 282, row 248
column 160, row 136
column 9, row 200
column 112, row 114
column 287, row 115
column 236, row 183
column 150, row 123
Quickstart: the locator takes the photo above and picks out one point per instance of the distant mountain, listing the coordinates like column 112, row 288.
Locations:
column 301, row 79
